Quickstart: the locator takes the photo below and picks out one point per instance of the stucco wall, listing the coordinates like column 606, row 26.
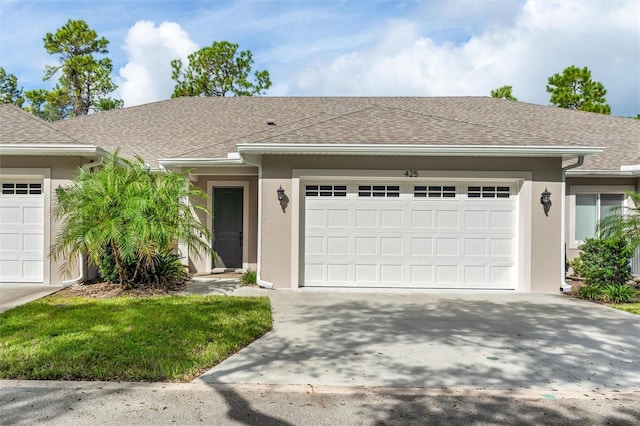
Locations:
column 57, row 171
column 545, row 254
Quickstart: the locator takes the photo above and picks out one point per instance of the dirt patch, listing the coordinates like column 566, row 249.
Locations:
column 105, row 290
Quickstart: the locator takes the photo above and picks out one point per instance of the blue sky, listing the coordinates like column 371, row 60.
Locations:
column 363, row 48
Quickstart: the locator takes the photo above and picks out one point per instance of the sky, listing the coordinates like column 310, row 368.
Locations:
column 349, row 47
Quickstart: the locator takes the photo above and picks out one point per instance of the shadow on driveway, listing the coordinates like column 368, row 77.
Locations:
column 495, row 341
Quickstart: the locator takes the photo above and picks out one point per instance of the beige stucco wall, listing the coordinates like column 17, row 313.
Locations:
column 545, row 255
column 222, row 177
column 611, row 184
column 56, row 171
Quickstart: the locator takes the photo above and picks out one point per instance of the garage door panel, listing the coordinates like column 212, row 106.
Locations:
column 10, row 215
column 412, row 242
column 421, row 219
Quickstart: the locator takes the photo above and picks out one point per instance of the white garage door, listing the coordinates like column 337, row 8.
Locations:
column 21, row 232
column 417, row 235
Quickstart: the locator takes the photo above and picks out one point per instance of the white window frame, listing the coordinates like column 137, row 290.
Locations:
column 591, row 189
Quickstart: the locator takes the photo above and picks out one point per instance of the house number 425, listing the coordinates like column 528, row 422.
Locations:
column 411, row 173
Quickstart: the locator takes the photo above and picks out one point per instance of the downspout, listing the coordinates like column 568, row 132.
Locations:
column 81, row 271
column 262, row 283
column 564, row 287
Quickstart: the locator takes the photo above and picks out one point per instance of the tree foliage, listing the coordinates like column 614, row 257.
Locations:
column 503, row 92
column 574, row 89
column 84, row 81
column 218, row 70
column 136, row 214
column 9, row 91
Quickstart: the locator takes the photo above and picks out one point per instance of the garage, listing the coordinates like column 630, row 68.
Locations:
column 21, row 232
column 429, row 234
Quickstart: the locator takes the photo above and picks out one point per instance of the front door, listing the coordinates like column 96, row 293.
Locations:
column 227, row 226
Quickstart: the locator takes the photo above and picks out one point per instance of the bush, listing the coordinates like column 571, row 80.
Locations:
column 249, row 277
column 107, row 266
column 589, row 292
column 618, row 293
column 165, row 269
column 603, row 262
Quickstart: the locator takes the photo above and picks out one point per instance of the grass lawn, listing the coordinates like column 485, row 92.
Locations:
column 171, row 338
column 634, row 308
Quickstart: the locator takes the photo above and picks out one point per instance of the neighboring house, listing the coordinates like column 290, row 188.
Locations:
column 345, row 192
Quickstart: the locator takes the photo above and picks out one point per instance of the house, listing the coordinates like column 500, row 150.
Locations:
column 345, row 192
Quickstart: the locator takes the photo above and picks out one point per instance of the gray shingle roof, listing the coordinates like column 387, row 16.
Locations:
column 22, row 128
column 212, row 127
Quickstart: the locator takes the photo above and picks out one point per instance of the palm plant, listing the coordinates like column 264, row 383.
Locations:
column 131, row 211
column 623, row 223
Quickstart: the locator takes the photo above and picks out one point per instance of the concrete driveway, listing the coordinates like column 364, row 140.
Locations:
column 537, row 342
column 12, row 295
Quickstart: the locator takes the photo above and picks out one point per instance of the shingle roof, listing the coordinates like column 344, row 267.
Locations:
column 201, row 127
column 22, row 128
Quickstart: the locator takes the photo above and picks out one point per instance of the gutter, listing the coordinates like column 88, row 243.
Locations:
column 566, row 152
column 262, row 283
column 81, row 271
column 564, row 287
column 50, row 149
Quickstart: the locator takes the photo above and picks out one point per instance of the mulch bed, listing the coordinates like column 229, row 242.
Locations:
column 106, row 290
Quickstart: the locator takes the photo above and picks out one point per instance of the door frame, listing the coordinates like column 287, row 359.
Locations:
column 211, row 185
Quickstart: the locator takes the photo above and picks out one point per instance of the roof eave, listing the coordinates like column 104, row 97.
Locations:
column 202, row 162
column 604, row 173
column 53, row 150
column 566, row 152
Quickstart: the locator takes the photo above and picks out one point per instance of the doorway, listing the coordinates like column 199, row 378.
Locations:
column 227, row 226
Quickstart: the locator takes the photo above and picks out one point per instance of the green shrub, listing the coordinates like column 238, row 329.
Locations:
column 169, row 268
column 603, row 262
column 165, row 269
column 249, row 277
column 618, row 293
column 589, row 292
column 107, row 266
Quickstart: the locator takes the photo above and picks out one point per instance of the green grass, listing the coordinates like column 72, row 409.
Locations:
column 174, row 338
column 634, row 308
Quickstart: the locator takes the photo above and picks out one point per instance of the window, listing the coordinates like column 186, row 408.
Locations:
column 590, row 209
column 21, row 189
column 434, row 191
column 391, row 191
column 488, row 191
column 326, row 190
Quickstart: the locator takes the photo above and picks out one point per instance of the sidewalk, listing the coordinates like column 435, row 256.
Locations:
column 64, row 403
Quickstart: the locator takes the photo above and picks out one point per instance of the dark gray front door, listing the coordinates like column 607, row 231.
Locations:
column 227, row 226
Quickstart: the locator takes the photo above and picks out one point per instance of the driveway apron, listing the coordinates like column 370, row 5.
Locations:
column 440, row 340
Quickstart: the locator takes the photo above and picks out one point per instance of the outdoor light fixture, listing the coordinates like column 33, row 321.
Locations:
column 545, row 200
column 282, row 198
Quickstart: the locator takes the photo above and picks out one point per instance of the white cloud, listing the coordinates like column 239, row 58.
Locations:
column 544, row 38
column 147, row 75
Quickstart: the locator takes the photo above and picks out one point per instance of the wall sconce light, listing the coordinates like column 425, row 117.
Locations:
column 282, row 198
column 545, row 200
